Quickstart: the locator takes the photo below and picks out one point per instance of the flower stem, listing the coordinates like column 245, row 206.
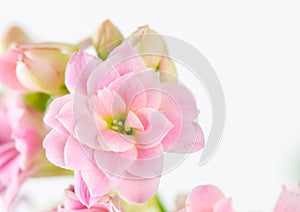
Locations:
column 159, row 204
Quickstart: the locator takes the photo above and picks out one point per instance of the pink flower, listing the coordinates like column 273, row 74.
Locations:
column 20, row 142
column 72, row 204
column 36, row 67
column 289, row 200
column 116, row 125
column 207, row 198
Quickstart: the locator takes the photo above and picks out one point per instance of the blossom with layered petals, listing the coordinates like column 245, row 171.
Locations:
column 207, row 198
column 20, row 141
column 117, row 123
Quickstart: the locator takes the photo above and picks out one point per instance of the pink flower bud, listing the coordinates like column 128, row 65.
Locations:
column 153, row 50
column 36, row 67
column 14, row 35
column 207, row 198
column 106, row 38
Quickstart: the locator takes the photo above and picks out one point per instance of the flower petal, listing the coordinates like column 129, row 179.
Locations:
column 115, row 163
column 78, row 69
column 53, row 110
column 8, row 77
column 224, row 205
column 87, row 132
column 183, row 98
column 75, row 156
column 203, row 198
column 288, row 201
column 54, row 144
column 117, row 142
column 137, row 190
column 149, row 163
column 156, row 127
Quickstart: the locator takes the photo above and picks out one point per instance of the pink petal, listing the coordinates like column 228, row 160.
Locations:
column 117, row 142
column 138, row 90
column 224, row 205
column 8, row 63
column 172, row 137
column 71, row 201
column 75, row 156
column 137, row 190
column 183, row 98
column 54, row 144
column 66, row 118
column 288, row 201
column 108, row 104
column 53, row 110
column 87, row 132
column 133, row 121
column 97, row 182
column 203, row 198
column 156, row 127
column 82, row 191
column 149, row 163
column 115, row 163
column 90, row 186
column 8, row 152
column 191, row 138
column 126, row 59
column 121, row 61
column 78, row 69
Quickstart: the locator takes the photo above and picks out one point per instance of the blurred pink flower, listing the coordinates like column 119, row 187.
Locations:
column 36, row 67
column 20, row 142
column 289, row 200
column 116, row 125
column 72, row 204
column 207, row 198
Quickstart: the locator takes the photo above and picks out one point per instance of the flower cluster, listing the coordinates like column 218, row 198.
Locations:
column 110, row 117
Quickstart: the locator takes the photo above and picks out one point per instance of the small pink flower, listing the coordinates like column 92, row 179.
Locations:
column 71, row 203
column 116, row 125
column 20, row 142
column 207, row 198
column 289, row 200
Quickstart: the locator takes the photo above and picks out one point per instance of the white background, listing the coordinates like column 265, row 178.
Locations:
column 254, row 46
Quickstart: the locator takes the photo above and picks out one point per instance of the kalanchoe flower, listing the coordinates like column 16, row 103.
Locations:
column 152, row 48
column 108, row 203
column 117, row 123
column 20, row 142
column 36, row 67
column 207, row 198
column 289, row 200
column 13, row 36
column 106, row 38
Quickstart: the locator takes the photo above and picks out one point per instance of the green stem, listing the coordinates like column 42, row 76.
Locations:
column 159, row 204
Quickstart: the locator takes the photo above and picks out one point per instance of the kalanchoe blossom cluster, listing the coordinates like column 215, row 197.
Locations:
column 119, row 120
column 109, row 119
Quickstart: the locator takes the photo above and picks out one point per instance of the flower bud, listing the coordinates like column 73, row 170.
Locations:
column 41, row 67
column 153, row 50
column 14, row 35
column 106, row 38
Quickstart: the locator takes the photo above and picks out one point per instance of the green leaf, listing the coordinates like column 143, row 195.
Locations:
column 37, row 101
